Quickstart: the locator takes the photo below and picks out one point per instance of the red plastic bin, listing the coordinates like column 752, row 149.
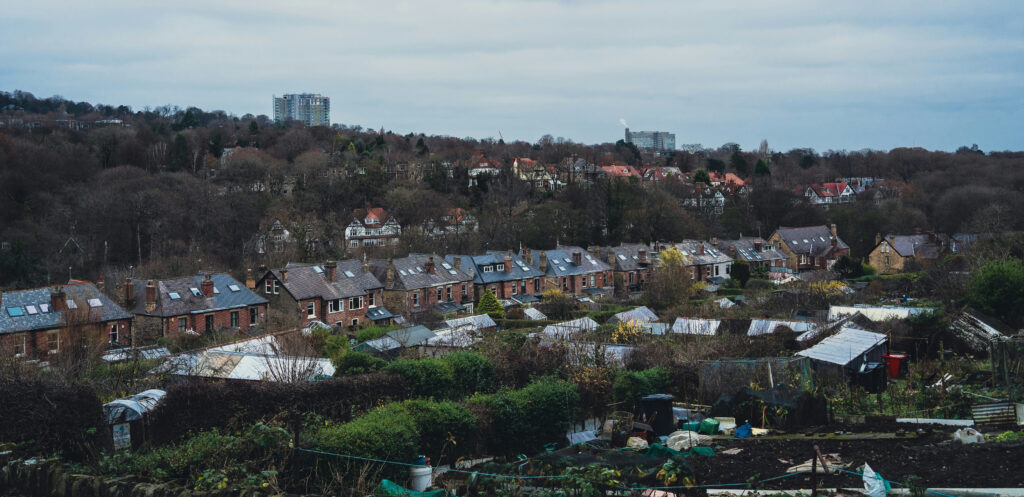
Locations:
column 893, row 362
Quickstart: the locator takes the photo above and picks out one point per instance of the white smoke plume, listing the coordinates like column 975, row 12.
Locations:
column 623, row 123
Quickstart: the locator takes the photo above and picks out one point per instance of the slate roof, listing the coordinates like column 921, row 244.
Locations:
column 627, row 256
column 744, row 250
column 411, row 272
column 306, row 281
column 378, row 313
column 811, row 240
column 560, row 262
column 711, row 255
column 843, row 347
column 33, row 305
column 922, row 245
column 520, row 270
column 225, row 296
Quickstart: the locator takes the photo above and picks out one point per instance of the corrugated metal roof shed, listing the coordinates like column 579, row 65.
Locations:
column 695, row 326
column 567, row 329
column 640, row 314
column 534, row 314
column 410, row 337
column 844, row 347
column 876, row 312
column 478, row 322
column 769, row 326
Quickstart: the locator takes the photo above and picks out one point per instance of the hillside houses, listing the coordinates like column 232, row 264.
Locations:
column 810, row 248
column 895, row 253
column 339, row 293
column 575, row 271
column 199, row 304
column 418, row 283
column 41, row 322
column 828, row 194
column 756, row 252
column 372, row 227
column 506, row 274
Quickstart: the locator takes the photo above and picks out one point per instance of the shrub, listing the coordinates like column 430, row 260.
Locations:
column 471, row 373
column 445, row 428
column 45, row 417
column 211, row 458
column 386, row 434
column 353, row 362
column 194, row 406
column 524, row 420
column 373, row 332
column 427, row 378
column 630, row 386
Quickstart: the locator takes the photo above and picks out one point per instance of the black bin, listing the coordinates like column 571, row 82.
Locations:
column 658, row 410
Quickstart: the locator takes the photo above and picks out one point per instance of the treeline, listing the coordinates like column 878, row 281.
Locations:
column 152, row 189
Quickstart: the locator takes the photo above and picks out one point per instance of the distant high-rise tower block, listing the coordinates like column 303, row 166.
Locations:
column 310, row 108
column 652, row 140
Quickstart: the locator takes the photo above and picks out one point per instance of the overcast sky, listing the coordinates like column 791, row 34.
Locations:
column 934, row 74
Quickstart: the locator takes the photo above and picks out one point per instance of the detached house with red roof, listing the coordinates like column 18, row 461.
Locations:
column 827, row 194
column 372, row 227
column 621, row 171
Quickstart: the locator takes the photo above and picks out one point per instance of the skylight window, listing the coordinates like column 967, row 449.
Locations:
column 196, row 292
column 402, row 272
column 95, row 303
column 446, row 265
column 71, row 304
column 31, row 310
column 419, row 269
column 44, row 308
column 15, row 312
column 174, row 295
column 349, row 274
column 821, row 238
column 805, row 241
column 567, row 260
column 234, row 288
column 561, row 268
column 452, row 271
column 794, row 242
column 621, row 257
column 215, row 291
column 318, row 269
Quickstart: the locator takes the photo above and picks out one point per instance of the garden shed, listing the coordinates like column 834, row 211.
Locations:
column 848, row 349
column 640, row 315
column 127, row 417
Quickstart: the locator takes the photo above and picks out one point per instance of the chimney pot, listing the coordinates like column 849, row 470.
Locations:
column 577, row 258
column 207, row 286
column 150, row 296
column 331, row 271
column 430, row 265
column 250, row 282
column 57, row 299
column 508, row 262
column 833, row 229
column 129, row 292
column 284, row 276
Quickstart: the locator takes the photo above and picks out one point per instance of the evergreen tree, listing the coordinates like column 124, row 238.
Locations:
column 489, row 305
column 701, row 176
column 740, row 272
column 179, row 155
column 762, row 169
column 738, row 163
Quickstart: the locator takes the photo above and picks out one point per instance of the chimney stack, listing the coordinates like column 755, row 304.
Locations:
column 758, row 245
column 150, row 296
column 457, row 262
column 508, row 262
column 732, row 251
column 642, row 255
column 528, row 255
column 57, row 300
column 250, row 282
column 700, row 248
column 834, row 231
column 389, row 275
column 429, row 266
column 543, row 261
column 878, row 238
column 577, row 258
column 284, row 276
column 714, row 241
column 595, row 251
column 129, row 292
column 331, row 271
column 207, row 286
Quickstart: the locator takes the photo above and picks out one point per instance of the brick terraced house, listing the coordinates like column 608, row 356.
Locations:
column 336, row 293
column 420, row 283
column 199, row 304
column 41, row 322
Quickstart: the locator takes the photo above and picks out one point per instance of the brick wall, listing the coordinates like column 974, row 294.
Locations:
column 221, row 319
column 37, row 343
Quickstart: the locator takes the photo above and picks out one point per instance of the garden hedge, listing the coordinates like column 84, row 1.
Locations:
column 46, row 417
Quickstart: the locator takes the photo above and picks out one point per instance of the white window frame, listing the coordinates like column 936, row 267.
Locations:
column 53, row 345
column 277, row 287
column 112, row 335
column 465, row 291
column 254, row 315
column 235, row 319
column 310, row 310
column 22, row 346
column 355, row 303
column 182, row 325
column 416, row 298
column 268, row 287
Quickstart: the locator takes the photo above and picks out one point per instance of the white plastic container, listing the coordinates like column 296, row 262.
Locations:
column 421, row 478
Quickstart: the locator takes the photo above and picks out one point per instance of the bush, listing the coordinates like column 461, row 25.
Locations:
column 471, row 373
column 373, row 332
column 211, row 458
column 195, row 406
column 524, row 420
column 447, row 429
column 352, row 362
column 631, row 386
column 998, row 289
column 386, row 434
column 427, row 378
column 46, row 417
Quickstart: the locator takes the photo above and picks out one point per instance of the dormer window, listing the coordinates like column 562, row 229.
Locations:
column 501, row 267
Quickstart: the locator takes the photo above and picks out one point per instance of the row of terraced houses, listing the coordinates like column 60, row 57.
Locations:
column 40, row 322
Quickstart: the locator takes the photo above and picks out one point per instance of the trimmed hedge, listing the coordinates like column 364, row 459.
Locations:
column 427, row 378
column 197, row 406
column 630, row 386
column 46, row 417
column 453, row 376
column 524, row 420
column 380, row 434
